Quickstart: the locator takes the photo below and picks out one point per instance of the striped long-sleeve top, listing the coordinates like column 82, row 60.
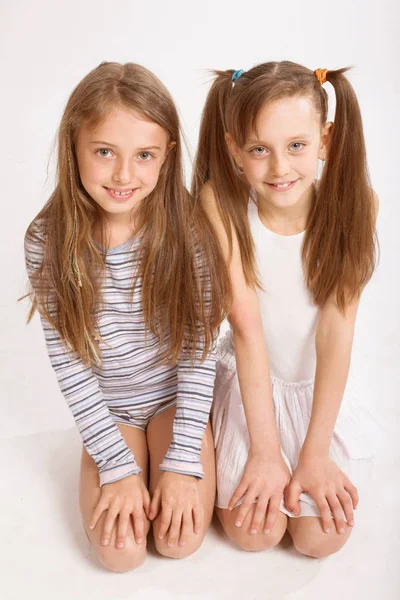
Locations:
column 131, row 383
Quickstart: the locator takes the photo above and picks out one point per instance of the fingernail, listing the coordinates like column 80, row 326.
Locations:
column 160, row 537
column 139, row 540
column 238, row 523
column 230, row 507
column 120, row 545
column 91, row 526
column 170, row 544
column 351, row 523
column 253, row 531
column 267, row 531
column 327, row 530
column 182, row 543
column 105, row 542
column 341, row 530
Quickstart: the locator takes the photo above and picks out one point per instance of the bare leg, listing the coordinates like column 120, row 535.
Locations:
column 310, row 539
column 133, row 554
column 159, row 435
column 243, row 537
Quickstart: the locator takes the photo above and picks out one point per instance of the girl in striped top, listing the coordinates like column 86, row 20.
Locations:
column 120, row 262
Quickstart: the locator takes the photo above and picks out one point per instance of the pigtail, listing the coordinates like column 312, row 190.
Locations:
column 214, row 163
column 339, row 248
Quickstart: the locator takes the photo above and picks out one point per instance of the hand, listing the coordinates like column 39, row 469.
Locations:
column 263, row 481
column 178, row 498
column 123, row 498
column 332, row 491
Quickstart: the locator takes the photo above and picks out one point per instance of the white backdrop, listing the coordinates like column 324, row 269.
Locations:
column 48, row 46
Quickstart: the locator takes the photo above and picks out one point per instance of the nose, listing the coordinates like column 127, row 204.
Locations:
column 280, row 165
column 123, row 171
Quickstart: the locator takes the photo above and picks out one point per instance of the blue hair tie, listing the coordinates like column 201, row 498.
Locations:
column 237, row 74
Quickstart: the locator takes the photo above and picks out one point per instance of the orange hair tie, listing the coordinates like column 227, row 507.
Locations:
column 320, row 74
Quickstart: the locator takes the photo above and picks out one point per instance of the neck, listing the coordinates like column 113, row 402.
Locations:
column 117, row 229
column 288, row 220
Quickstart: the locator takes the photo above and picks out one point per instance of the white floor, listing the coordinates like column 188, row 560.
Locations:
column 46, row 554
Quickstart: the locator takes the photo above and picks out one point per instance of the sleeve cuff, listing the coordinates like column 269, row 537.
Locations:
column 116, row 473
column 185, row 468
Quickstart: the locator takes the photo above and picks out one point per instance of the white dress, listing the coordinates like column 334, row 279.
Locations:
column 289, row 321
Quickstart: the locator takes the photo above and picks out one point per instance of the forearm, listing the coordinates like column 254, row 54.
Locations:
column 256, row 391
column 334, row 341
column 193, row 405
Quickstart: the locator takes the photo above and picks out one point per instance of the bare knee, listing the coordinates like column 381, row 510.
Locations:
column 314, row 542
column 122, row 560
column 248, row 541
column 178, row 551
column 255, row 542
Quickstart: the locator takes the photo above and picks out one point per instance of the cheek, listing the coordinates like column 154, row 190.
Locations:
column 253, row 169
column 91, row 170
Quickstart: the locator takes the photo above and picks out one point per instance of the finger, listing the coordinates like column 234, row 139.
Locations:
column 102, row 505
column 197, row 513
column 166, row 516
column 186, row 528
column 325, row 511
column 138, row 524
column 238, row 494
column 352, row 490
column 112, row 514
column 146, row 502
column 272, row 514
column 337, row 512
column 123, row 523
column 292, row 497
column 154, row 505
column 245, row 508
column 175, row 528
column 259, row 514
column 347, row 506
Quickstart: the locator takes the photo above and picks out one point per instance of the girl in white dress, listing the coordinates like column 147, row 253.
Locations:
column 300, row 252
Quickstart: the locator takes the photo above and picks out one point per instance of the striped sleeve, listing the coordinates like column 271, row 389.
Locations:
column 80, row 388
column 193, row 405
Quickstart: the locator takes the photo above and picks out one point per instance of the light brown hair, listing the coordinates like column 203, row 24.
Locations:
column 339, row 249
column 185, row 283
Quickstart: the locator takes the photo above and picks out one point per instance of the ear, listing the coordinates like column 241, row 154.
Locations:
column 233, row 149
column 170, row 146
column 326, row 136
column 168, row 150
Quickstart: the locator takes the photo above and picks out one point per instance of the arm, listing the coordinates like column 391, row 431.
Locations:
column 316, row 473
column 80, row 388
column 265, row 475
column 334, row 340
column 194, row 399
column 250, row 350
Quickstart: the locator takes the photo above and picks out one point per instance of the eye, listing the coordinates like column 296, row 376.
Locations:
column 258, row 151
column 297, row 146
column 104, row 152
column 145, row 156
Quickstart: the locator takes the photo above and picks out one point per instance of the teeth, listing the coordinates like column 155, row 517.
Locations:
column 126, row 193
column 282, row 185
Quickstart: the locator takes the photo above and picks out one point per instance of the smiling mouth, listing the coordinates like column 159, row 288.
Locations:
column 120, row 193
column 283, row 185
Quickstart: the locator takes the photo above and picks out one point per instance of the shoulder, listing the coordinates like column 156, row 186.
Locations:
column 375, row 200
column 34, row 244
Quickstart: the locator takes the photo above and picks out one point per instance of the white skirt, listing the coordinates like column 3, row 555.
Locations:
column 355, row 435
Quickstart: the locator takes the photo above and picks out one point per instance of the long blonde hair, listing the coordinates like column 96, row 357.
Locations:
column 180, row 304
column 339, row 250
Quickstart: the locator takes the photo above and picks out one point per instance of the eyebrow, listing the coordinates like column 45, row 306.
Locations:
column 115, row 146
column 292, row 137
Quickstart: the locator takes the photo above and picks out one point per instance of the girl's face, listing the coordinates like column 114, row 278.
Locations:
column 119, row 160
column 280, row 158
